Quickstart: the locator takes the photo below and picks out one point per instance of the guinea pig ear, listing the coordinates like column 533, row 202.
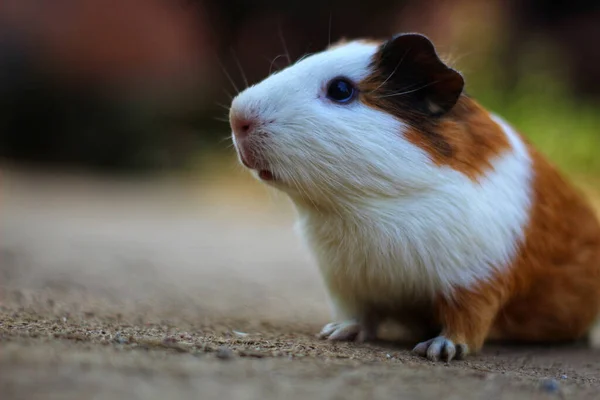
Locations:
column 410, row 70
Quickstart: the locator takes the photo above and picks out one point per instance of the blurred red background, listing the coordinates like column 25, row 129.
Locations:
column 130, row 83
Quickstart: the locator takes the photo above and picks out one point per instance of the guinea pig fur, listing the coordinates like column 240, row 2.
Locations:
column 418, row 204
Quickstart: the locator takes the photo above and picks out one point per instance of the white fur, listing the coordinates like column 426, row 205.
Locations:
column 384, row 222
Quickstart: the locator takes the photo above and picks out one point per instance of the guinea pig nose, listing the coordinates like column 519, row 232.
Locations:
column 242, row 127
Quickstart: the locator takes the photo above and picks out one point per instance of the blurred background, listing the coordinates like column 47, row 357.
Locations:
column 139, row 85
column 115, row 155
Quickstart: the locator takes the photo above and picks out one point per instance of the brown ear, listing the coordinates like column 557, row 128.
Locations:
column 411, row 71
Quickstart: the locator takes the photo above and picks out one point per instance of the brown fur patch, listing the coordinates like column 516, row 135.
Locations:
column 408, row 77
column 467, row 317
column 466, row 139
column 552, row 292
column 556, row 282
column 410, row 82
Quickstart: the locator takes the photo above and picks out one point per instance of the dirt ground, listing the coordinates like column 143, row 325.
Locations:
column 200, row 289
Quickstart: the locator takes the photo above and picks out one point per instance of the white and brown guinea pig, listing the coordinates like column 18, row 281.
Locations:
column 419, row 205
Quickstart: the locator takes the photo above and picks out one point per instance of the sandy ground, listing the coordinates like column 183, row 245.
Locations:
column 200, row 290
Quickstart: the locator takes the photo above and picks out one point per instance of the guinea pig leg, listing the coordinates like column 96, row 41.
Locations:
column 466, row 319
column 363, row 330
column 368, row 332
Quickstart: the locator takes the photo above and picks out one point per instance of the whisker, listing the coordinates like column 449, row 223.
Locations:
column 228, row 76
column 237, row 61
column 408, row 91
column 273, row 62
column 228, row 146
column 393, row 72
column 287, row 53
column 221, row 119
column 300, row 188
column 409, row 87
column 306, row 54
column 226, row 139
column 329, row 29
column 454, row 58
column 222, row 105
column 229, row 95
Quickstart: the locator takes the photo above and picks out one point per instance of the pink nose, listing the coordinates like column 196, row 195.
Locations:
column 241, row 126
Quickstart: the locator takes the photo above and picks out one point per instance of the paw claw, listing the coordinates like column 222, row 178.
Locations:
column 327, row 330
column 461, row 351
column 341, row 331
column 448, row 351
column 421, row 348
column 441, row 348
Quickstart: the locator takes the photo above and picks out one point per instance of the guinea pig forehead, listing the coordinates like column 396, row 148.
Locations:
column 351, row 60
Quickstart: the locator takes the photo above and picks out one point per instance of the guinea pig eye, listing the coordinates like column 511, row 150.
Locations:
column 341, row 90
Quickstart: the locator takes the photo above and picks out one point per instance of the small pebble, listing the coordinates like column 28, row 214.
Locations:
column 224, row 353
column 256, row 354
column 388, row 356
column 242, row 334
column 120, row 339
column 550, row 385
column 563, row 377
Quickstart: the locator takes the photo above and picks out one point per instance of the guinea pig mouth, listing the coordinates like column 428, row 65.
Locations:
column 266, row 175
column 250, row 162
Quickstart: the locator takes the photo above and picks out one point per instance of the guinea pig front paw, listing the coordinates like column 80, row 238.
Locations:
column 341, row 331
column 441, row 348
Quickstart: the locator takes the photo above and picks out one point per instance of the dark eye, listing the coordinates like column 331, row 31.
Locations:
column 341, row 90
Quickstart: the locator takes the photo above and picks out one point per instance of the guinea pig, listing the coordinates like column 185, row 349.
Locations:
column 418, row 204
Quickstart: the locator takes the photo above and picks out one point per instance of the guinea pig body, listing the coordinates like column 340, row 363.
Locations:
column 418, row 204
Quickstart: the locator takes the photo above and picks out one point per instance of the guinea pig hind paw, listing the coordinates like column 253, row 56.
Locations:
column 340, row 331
column 441, row 348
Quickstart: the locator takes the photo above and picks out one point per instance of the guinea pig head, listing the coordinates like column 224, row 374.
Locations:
column 332, row 127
